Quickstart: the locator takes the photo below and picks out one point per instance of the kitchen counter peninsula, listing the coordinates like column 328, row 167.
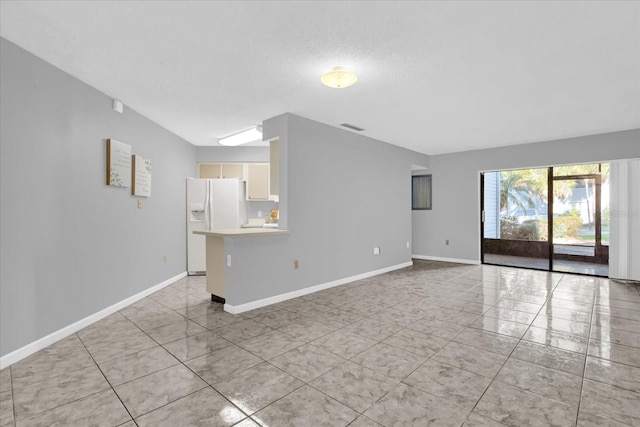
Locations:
column 218, row 260
column 239, row 232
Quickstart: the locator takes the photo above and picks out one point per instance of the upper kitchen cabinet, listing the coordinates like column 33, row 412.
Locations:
column 221, row 170
column 257, row 181
column 233, row 170
column 209, row 170
column 257, row 176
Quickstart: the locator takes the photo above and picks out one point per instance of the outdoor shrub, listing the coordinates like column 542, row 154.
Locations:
column 566, row 226
column 543, row 232
column 507, row 226
column 563, row 226
column 572, row 213
column 510, row 229
column 528, row 230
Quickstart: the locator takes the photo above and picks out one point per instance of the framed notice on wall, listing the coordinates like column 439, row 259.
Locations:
column 118, row 164
column 141, row 176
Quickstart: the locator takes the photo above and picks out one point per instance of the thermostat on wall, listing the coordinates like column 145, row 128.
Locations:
column 117, row 106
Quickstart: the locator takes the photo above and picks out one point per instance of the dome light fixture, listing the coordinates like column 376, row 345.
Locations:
column 339, row 78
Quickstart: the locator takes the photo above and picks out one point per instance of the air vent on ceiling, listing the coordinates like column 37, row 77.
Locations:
column 352, row 127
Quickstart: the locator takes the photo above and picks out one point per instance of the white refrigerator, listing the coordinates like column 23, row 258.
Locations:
column 211, row 204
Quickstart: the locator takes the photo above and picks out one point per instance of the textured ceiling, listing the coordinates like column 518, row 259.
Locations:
column 435, row 77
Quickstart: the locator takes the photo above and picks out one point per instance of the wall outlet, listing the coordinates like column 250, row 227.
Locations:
column 296, row 264
column 164, row 258
column 259, row 214
column 446, row 242
column 228, row 260
column 139, row 204
column 408, row 244
column 376, row 250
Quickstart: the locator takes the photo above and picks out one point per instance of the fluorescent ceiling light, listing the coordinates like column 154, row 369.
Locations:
column 244, row 137
column 339, row 78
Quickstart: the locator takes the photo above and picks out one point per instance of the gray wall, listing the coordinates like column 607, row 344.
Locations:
column 341, row 195
column 456, row 186
column 263, row 208
column 233, row 154
column 70, row 245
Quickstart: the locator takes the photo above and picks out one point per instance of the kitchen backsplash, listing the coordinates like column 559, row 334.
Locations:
column 264, row 207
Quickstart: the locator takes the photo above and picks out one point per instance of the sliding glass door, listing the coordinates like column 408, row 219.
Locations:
column 580, row 236
column 547, row 218
column 515, row 214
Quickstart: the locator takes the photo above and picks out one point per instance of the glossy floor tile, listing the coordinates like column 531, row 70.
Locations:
column 306, row 407
column 461, row 387
column 516, row 407
column 354, row 385
column 435, row 344
column 547, row 382
column 202, row 408
column 257, row 387
column 103, row 408
column 409, row 406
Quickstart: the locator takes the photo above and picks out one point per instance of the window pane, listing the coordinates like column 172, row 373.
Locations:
column 515, row 218
column 576, row 169
column 523, row 205
column 421, row 192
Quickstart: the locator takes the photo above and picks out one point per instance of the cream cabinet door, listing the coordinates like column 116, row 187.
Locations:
column 209, row 170
column 233, row 170
column 257, row 181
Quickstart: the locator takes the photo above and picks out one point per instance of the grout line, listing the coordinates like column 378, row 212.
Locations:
column 106, row 379
column 511, row 353
column 586, row 354
column 56, row 376
column 13, row 395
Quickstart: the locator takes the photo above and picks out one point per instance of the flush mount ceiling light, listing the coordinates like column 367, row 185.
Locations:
column 339, row 78
column 244, row 137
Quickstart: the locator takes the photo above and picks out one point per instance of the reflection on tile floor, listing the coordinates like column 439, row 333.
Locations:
column 564, row 266
column 434, row 344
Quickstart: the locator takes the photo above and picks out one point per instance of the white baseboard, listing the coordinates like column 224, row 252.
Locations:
column 437, row 258
column 237, row 309
column 29, row 349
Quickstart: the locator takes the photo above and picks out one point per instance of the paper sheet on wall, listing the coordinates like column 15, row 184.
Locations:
column 141, row 176
column 118, row 164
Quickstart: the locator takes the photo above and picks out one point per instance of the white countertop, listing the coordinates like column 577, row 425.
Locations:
column 240, row 232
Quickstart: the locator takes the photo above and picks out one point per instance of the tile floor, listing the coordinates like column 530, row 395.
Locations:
column 436, row 344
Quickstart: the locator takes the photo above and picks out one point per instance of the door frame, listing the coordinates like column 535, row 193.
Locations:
column 600, row 254
column 481, row 217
